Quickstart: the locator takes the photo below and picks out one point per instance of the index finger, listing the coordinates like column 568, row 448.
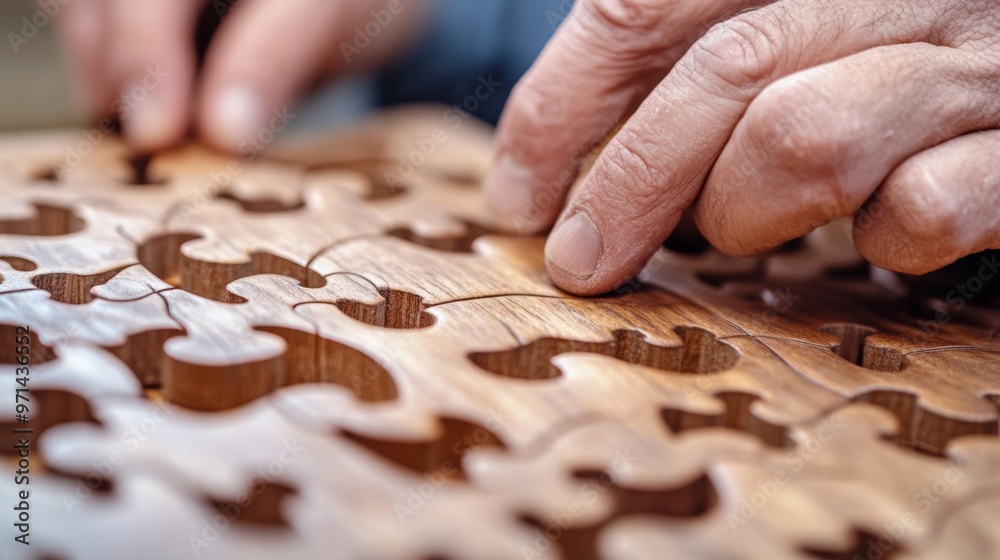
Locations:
column 601, row 63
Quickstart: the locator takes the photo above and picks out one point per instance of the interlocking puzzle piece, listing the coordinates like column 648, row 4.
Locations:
column 341, row 500
column 840, row 489
column 230, row 354
column 938, row 394
column 134, row 330
column 412, row 365
column 59, row 389
column 85, row 249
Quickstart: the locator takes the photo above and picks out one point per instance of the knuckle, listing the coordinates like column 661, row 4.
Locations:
column 629, row 14
column 734, row 57
column 626, row 29
column 629, row 168
column 795, row 128
column 528, row 122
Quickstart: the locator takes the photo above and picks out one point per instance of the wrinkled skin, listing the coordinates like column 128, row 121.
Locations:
column 768, row 120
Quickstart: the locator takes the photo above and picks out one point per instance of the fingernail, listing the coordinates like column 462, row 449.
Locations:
column 508, row 194
column 147, row 125
column 235, row 115
column 575, row 247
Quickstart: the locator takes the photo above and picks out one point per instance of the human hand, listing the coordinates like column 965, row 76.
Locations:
column 774, row 122
column 137, row 59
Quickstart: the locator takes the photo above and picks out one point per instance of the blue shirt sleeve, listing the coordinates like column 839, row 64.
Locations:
column 472, row 53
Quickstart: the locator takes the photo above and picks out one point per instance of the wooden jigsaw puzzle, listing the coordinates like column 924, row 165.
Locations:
column 327, row 353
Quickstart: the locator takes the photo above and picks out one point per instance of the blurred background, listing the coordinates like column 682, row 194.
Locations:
column 37, row 91
column 462, row 41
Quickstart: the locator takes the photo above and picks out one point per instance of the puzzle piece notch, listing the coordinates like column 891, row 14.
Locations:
column 19, row 264
column 44, row 220
column 141, row 173
column 699, row 352
column 397, row 309
column 442, row 456
column 165, row 257
column 737, row 415
column 933, row 407
column 685, row 501
column 63, row 383
column 855, row 347
column 73, row 289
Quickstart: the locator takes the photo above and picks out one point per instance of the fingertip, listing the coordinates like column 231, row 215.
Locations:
column 578, row 260
column 575, row 248
column 152, row 117
column 229, row 118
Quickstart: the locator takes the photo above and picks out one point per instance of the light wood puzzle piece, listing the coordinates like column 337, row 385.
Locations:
column 135, row 330
column 62, row 386
column 230, row 354
column 838, row 491
column 328, row 495
column 311, row 299
column 938, row 382
column 84, row 248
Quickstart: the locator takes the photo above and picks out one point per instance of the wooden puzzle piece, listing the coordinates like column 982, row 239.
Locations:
column 433, row 140
column 881, row 354
column 937, row 394
column 337, row 492
column 347, row 297
column 59, row 389
column 835, row 491
column 250, row 349
column 71, row 260
column 504, row 267
column 134, row 331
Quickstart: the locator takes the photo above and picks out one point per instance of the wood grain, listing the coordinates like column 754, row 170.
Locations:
column 329, row 352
